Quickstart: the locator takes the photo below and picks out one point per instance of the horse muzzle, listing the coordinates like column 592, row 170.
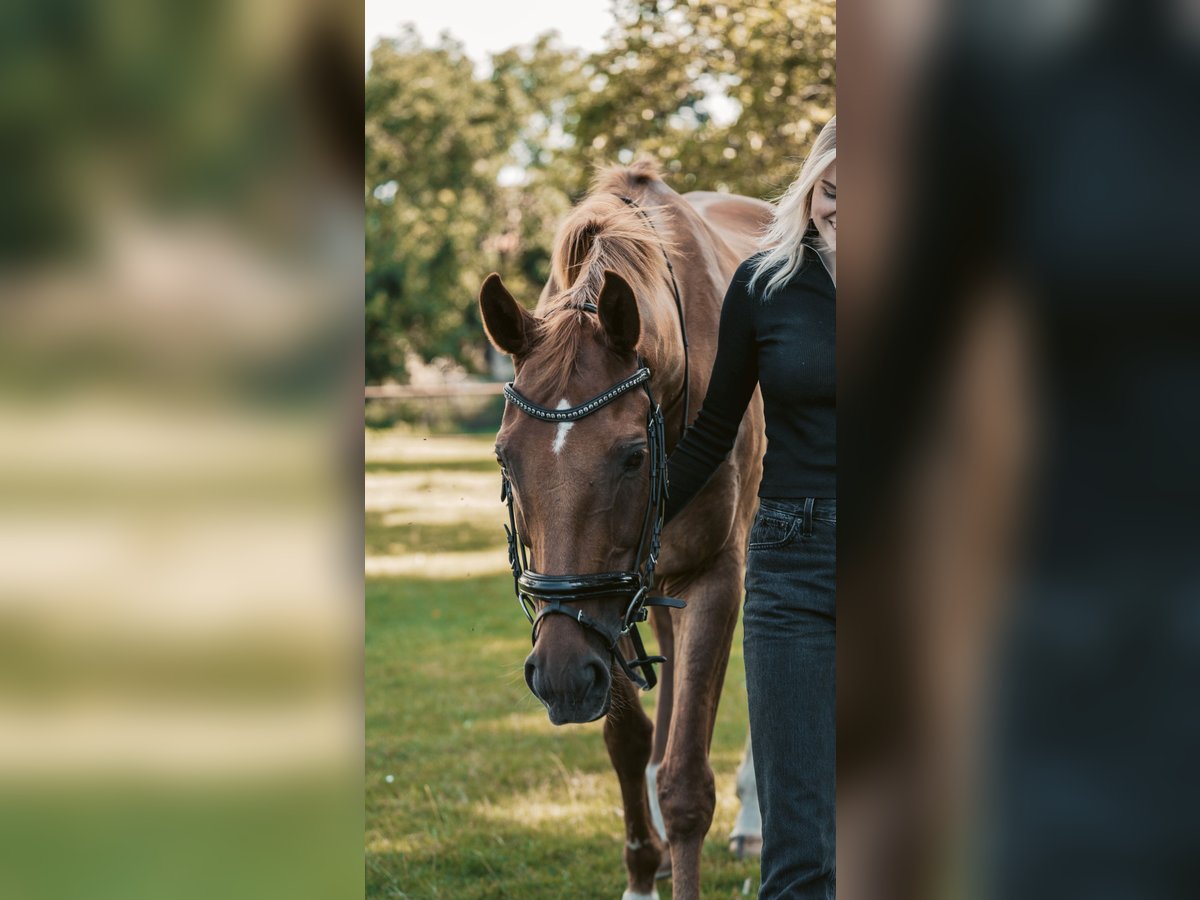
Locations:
column 579, row 691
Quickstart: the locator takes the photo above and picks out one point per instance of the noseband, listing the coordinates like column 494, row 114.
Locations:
column 633, row 587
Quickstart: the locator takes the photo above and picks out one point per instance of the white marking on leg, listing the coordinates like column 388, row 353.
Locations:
column 633, row 895
column 560, row 436
column 652, row 790
column 749, row 818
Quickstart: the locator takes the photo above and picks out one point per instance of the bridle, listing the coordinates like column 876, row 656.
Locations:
column 556, row 592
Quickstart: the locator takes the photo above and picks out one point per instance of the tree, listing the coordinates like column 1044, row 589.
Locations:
column 436, row 138
column 672, row 66
column 468, row 173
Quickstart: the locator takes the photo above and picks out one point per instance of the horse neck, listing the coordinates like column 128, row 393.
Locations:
column 662, row 348
column 693, row 251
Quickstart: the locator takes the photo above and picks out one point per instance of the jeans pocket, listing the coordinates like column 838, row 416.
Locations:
column 771, row 530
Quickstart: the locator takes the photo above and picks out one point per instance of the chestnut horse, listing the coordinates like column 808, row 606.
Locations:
column 580, row 487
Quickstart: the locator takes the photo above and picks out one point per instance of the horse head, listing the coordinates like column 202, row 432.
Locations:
column 580, row 487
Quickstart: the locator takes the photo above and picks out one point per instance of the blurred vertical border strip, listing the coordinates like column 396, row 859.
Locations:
column 1019, row 360
column 181, row 277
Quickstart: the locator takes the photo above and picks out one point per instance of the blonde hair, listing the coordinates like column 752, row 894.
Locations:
column 793, row 215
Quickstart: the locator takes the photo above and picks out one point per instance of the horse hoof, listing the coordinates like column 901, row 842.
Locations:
column 744, row 845
column 634, row 895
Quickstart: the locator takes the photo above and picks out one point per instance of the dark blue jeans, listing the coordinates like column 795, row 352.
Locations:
column 789, row 625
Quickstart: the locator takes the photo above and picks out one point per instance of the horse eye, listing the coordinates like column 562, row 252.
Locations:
column 635, row 460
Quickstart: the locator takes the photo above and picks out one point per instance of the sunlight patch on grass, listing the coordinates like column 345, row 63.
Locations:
column 439, row 565
column 578, row 799
column 418, row 842
column 532, row 722
column 437, row 496
column 399, row 445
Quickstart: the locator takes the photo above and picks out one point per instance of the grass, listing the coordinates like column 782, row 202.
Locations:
column 486, row 798
column 450, row 465
column 393, row 534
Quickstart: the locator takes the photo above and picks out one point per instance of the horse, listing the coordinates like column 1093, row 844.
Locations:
column 637, row 272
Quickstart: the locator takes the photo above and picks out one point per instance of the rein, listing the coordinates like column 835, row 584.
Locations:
column 555, row 592
column 687, row 375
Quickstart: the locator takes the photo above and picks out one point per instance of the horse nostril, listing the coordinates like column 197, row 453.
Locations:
column 599, row 674
column 530, row 671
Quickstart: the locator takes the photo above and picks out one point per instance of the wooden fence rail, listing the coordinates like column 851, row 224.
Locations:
column 433, row 391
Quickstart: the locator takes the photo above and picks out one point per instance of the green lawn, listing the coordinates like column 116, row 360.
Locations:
column 487, row 798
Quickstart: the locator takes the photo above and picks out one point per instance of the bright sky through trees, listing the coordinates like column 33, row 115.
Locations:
column 485, row 26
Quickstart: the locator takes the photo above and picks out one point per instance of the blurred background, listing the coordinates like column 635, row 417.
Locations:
column 1018, row 328
column 180, row 365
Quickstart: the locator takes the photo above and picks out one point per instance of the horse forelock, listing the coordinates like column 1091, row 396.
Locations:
column 562, row 335
column 602, row 234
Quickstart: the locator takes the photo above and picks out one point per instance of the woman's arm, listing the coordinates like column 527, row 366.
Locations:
column 734, row 376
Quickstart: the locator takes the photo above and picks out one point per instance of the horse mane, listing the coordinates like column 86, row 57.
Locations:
column 602, row 233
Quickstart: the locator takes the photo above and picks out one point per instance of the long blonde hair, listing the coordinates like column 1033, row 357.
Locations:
column 793, row 215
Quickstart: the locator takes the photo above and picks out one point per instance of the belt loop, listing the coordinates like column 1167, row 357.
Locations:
column 808, row 511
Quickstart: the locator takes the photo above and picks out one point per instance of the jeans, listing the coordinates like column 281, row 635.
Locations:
column 789, row 627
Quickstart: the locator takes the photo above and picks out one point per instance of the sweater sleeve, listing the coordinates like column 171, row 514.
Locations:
column 734, row 376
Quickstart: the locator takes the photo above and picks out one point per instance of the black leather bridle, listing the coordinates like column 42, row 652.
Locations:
column 633, row 587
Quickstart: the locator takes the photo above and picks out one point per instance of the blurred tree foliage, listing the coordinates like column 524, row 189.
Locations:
column 436, row 138
column 469, row 173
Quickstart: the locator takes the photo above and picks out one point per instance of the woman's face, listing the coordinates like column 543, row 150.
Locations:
column 824, row 207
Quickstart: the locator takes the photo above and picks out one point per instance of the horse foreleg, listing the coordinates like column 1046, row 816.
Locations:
column 686, row 788
column 660, row 620
column 664, row 632
column 628, row 735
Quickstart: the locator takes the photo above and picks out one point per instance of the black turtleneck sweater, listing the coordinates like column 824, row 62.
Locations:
column 786, row 344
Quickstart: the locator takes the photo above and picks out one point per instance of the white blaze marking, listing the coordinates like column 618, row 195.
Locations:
column 560, row 436
column 656, row 815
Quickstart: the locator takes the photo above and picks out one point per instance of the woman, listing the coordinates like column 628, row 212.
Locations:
column 777, row 332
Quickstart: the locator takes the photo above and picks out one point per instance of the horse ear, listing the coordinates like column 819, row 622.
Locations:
column 619, row 313
column 509, row 325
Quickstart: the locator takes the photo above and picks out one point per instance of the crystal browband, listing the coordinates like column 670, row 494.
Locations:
column 575, row 412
